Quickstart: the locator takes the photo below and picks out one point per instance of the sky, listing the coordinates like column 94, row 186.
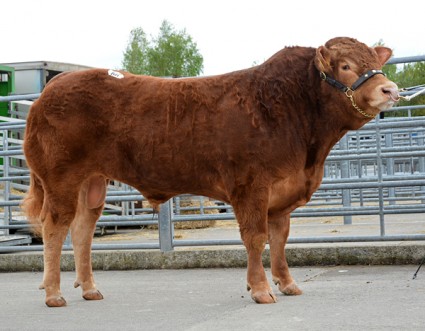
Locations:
column 230, row 34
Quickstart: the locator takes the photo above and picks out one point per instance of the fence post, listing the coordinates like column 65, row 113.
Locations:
column 380, row 178
column 165, row 227
column 390, row 168
column 7, row 210
column 421, row 164
column 345, row 173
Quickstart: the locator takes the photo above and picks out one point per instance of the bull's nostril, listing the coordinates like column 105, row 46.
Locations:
column 391, row 92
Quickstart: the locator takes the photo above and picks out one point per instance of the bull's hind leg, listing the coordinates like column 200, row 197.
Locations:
column 252, row 218
column 278, row 235
column 90, row 205
column 57, row 214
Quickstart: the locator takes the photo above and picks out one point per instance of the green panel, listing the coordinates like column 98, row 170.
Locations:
column 4, row 90
column 7, row 86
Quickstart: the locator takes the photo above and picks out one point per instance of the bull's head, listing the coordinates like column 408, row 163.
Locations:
column 354, row 68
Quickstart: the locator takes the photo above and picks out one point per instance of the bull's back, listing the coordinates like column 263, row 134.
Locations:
column 136, row 128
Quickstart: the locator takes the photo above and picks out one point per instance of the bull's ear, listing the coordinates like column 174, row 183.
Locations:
column 384, row 54
column 323, row 59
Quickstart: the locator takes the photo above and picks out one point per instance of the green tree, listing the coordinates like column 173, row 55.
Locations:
column 135, row 59
column 172, row 53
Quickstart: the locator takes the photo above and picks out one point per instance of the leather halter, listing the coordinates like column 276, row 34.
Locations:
column 340, row 86
column 349, row 91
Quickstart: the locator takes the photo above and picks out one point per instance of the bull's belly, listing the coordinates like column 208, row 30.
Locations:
column 162, row 184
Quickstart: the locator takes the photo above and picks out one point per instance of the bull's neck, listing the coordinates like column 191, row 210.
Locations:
column 289, row 93
column 326, row 126
column 313, row 119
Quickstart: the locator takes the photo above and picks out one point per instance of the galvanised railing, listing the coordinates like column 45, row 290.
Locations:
column 377, row 170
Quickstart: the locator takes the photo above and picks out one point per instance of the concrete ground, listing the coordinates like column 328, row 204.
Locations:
column 335, row 298
column 352, row 286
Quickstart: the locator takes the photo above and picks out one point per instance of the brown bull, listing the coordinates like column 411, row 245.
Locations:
column 255, row 138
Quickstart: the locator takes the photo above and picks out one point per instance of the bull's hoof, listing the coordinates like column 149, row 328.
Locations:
column 291, row 289
column 93, row 295
column 262, row 296
column 55, row 301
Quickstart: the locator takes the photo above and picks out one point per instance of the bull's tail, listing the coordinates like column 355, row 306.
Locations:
column 33, row 204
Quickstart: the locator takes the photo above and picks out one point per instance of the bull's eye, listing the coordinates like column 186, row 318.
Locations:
column 345, row 67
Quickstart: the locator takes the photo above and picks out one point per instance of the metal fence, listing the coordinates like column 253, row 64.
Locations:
column 378, row 170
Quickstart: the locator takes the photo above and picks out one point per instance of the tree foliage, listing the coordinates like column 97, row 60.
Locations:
column 135, row 60
column 171, row 54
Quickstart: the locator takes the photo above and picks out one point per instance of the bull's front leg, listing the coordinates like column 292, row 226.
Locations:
column 278, row 227
column 252, row 218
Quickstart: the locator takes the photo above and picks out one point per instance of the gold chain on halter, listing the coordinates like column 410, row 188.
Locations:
column 349, row 93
